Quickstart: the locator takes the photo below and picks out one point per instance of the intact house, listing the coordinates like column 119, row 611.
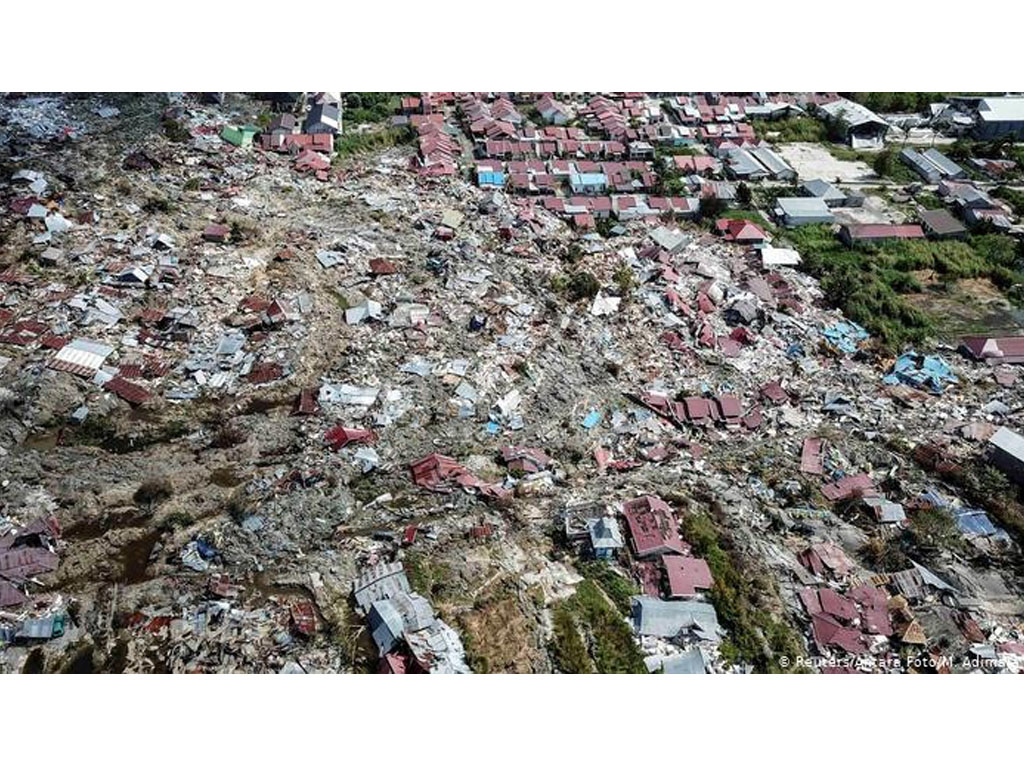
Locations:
column 832, row 195
column 605, row 537
column 701, row 165
column 588, row 183
column 773, row 162
column 652, row 527
column 853, row 234
column 323, row 118
column 553, row 111
column 593, row 530
column 940, row 224
column 931, row 165
column 1000, row 118
column 994, row 350
column 741, row 164
column 965, row 196
column 490, row 175
column 740, row 231
column 800, row 211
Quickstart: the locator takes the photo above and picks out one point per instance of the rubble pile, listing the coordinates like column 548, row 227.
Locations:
column 374, row 417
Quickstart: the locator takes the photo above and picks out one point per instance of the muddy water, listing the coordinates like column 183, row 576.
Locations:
column 265, row 405
column 96, row 527
column 134, row 558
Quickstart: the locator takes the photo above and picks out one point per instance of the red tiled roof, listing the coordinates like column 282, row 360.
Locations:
column 652, row 526
column 884, row 231
column 848, row 487
column 995, row 349
column 810, row 456
column 128, row 391
column 338, row 436
column 686, row 575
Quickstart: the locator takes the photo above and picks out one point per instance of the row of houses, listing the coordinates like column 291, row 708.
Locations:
column 583, row 211
column 582, row 178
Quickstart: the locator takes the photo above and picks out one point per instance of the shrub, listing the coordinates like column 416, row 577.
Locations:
column 154, row 491
column 567, row 648
column 227, row 436
column 583, row 285
column 755, row 636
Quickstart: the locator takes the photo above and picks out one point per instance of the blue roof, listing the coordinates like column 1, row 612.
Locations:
column 587, row 179
column 497, row 178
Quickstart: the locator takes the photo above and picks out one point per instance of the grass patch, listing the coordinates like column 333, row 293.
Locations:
column 427, row 578
column 790, row 129
column 351, row 144
column 749, row 215
column 567, row 648
column 618, row 588
column 590, row 635
column 371, row 107
column 1013, row 197
column 868, row 282
column 985, row 487
column 755, row 635
column 929, row 200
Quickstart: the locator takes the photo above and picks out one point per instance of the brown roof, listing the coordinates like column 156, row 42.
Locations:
column 941, row 222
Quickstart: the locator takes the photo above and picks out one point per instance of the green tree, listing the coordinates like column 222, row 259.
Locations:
column 743, row 195
column 884, row 163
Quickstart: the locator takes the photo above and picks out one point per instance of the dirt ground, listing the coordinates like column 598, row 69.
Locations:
column 813, row 161
column 970, row 307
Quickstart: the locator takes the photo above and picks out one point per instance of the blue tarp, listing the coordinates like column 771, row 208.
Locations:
column 974, row 522
column 924, row 372
column 971, row 522
column 846, row 336
column 592, row 420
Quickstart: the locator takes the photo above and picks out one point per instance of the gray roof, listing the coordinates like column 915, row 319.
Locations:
column 743, row 163
column 853, row 113
column 823, row 189
column 669, row 239
column 662, row 618
column 415, row 610
column 941, row 222
column 920, row 163
column 886, row 511
column 605, row 533
column 1009, row 441
column 943, row 163
column 772, row 161
column 1006, row 109
column 379, row 583
column 803, row 207
column 690, row 662
column 326, row 113
column 385, row 624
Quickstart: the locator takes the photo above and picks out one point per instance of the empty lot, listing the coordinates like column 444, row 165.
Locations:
column 813, row 161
